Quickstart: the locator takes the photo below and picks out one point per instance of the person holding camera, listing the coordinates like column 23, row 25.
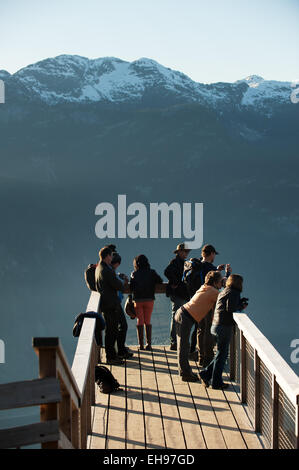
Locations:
column 205, row 340
column 228, row 302
column 176, row 289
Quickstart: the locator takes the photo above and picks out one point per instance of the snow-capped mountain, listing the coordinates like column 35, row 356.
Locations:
column 76, row 79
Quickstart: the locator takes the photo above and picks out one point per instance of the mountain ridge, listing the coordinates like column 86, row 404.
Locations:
column 77, row 79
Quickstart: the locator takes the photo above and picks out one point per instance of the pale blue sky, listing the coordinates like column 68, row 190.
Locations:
column 209, row 40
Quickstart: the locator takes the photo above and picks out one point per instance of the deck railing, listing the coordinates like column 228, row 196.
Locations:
column 268, row 385
column 65, row 394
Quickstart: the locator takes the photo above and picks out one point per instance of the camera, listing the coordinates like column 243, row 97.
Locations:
column 244, row 301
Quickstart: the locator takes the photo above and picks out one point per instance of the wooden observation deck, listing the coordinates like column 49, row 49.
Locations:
column 155, row 409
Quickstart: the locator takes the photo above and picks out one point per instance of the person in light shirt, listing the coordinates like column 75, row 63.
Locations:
column 202, row 302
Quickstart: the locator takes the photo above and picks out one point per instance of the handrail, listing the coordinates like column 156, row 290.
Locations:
column 284, row 375
column 268, row 385
column 65, row 394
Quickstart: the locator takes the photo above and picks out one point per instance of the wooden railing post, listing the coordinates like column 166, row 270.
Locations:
column 93, row 363
column 297, row 423
column 257, row 393
column 83, row 424
column 243, row 368
column 53, row 363
column 65, row 415
column 232, row 356
column 75, row 427
column 48, row 368
column 274, row 423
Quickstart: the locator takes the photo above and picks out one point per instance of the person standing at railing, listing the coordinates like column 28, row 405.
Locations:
column 142, row 285
column 108, row 286
column 228, row 302
column 122, row 350
column 176, row 289
column 191, row 313
column 205, row 339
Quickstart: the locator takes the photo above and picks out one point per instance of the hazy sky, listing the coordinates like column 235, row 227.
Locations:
column 209, row 40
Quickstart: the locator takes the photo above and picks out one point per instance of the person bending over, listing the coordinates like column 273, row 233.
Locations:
column 191, row 312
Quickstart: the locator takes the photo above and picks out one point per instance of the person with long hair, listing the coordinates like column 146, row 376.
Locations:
column 142, row 285
column 228, row 302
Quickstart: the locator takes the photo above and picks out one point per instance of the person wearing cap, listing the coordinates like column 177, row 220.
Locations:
column 205, row 340
column 192, row 312
column 176, row 289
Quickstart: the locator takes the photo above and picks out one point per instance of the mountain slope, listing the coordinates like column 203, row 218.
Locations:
column 76, row 79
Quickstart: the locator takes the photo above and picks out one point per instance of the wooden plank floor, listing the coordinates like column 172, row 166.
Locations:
column 157, row 410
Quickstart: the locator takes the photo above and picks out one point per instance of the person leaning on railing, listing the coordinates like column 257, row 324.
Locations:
column 191, row 312
column 228, row 302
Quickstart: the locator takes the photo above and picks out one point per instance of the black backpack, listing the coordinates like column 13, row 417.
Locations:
column 105, row 380
column 192, row 275
column 89, row 276
column 78, row 325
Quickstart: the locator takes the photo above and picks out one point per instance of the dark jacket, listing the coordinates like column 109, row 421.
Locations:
column 108, row 285
column 174, row 274
column 206, row 267
column 143, row 282
column 228, row 302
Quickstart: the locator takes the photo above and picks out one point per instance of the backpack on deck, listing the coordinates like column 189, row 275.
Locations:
column 192, row 275
column 105, row 380
column 90, row 278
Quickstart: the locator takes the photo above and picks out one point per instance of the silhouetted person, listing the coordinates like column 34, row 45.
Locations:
column 122, row 350
column 228, row 302
column 108, row 285
column 206, row 340
column 176, row 289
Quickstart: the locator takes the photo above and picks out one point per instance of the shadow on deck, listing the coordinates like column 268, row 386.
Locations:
column 157, row 410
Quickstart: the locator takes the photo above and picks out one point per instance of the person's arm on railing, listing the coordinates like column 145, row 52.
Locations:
column 234, row 303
